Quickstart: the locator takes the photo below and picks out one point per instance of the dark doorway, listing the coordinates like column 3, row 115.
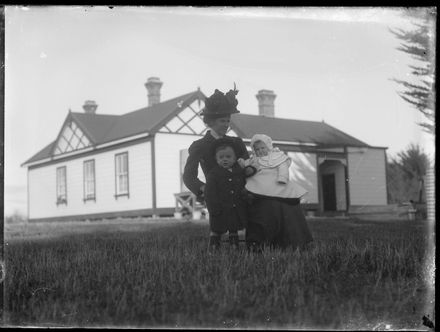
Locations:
column 329, row 192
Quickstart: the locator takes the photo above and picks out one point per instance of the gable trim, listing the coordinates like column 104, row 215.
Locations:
column 70, row 117
column 179, row 107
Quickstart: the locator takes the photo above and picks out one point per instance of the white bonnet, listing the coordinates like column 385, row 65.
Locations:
column 264, row 138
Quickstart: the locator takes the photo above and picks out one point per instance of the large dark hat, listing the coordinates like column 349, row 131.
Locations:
column 220, row 104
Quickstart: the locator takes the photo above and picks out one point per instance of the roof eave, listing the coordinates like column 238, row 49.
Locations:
column 84, row 150
column 339, row 145
column 359, row 142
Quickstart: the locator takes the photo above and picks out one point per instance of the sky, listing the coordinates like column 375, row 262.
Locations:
column 331, row 64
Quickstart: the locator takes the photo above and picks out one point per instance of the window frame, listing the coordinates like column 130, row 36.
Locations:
column 61, row 199
column 85, row 194
column 118, row 193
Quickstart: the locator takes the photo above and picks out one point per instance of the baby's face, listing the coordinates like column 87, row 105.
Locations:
column 225, row 157
column 260, row 149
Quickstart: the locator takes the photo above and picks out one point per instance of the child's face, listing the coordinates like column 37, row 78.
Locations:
column 221, row 125
column 260, row 149
column 225, row 157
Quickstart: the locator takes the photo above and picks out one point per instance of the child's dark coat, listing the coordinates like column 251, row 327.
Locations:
column 201, row 151
column 224, row 198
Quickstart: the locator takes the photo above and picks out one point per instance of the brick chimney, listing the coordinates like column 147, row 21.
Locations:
column 153, row 86
column 90, row 106
column 266, row 103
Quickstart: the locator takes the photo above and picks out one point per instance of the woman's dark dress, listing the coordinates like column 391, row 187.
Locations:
column 279, row 222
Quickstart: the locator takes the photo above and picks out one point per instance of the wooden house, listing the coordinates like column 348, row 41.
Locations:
column 103, row 166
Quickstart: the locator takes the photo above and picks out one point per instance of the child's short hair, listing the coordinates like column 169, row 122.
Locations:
column 223, row 143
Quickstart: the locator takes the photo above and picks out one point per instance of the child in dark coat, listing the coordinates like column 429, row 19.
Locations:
column 224, row 194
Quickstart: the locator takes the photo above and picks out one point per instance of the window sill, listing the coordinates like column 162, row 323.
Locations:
column 89, row 199
column 122, row 195
column 61, row 202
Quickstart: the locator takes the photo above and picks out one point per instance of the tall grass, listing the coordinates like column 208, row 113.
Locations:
column 354, row 275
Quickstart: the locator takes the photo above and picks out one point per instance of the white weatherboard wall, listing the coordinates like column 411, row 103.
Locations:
column 303, row 170
column 367, row 176
column 168, row 147
column 42, row 185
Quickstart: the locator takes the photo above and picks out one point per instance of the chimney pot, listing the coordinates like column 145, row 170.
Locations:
column 153, row 86
column 266, row 103
column 90, row 107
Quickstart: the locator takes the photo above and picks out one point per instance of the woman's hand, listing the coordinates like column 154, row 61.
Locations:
column 254, row 163
column 201, row 194
column 241, row 162
column 249, row 171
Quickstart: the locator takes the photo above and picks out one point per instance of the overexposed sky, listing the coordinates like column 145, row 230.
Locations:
column 331, row 64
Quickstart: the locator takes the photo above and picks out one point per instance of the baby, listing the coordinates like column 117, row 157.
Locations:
column 272, row 170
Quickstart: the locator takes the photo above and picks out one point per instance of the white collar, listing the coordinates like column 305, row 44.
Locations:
column 214, row 134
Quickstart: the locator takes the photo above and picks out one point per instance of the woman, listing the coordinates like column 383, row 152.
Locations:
column 217, row 117
column 275, row 214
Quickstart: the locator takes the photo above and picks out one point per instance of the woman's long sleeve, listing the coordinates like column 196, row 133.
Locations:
column 190, row 172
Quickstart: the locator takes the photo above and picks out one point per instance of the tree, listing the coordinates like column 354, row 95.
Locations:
column 420, row 45
column 406, row 175
column 16, row 217
column 397, row 191
column 414, row 163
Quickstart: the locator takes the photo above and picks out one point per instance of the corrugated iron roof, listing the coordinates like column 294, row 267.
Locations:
column 96, row 126
column 289, row 130
column 42, row 154
column 103, row 128
column 145, row 119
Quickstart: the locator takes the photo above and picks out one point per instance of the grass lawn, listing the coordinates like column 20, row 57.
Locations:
column 355, row 275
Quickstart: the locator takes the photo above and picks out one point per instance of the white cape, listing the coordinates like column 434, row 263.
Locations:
column 264, row 182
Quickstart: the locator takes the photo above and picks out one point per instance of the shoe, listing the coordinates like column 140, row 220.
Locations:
column 214, row 242
column 254, row 247
column 233, row 240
